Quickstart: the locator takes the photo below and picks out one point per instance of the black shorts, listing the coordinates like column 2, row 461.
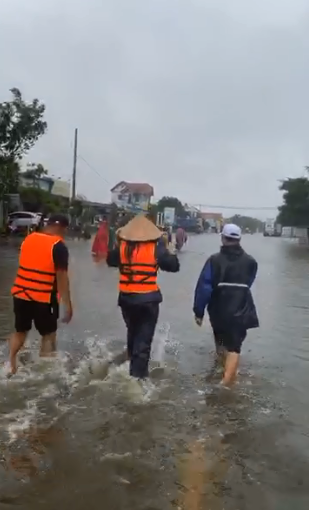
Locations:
column 43, row 315
column 231, row 340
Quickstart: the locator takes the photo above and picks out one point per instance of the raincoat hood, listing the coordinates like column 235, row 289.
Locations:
column 232, row 252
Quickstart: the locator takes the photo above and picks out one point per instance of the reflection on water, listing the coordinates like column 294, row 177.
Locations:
column 76, row 430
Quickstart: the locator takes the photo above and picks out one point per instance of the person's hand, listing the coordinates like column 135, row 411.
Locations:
column 68, row 314
column 198, row 321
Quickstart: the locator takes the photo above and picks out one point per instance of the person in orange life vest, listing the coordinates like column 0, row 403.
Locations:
column 41, row 275
column 139, row 255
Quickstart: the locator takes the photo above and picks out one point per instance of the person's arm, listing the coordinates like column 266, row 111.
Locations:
column 61, row 262
column 113, row 257
column 203, row 291
column 253, row 272
column 167, row 261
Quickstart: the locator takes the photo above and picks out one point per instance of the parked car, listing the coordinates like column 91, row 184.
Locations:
column 21, row 220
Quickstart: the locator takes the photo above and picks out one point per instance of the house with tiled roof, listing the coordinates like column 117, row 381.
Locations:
column 132, row 195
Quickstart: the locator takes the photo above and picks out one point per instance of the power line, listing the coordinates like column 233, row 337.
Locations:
column 233, row 207
column 210, row 206
column 241, row 207
column 94, row 169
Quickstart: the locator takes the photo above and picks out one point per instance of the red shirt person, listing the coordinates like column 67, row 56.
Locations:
column 100, row 243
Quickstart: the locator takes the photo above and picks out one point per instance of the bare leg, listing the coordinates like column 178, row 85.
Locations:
column 48, row 345
column 17, row 341
column 230, row 369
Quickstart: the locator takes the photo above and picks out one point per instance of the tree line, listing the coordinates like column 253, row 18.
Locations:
column 294, row 212
column 181, row 211
column 22, row 124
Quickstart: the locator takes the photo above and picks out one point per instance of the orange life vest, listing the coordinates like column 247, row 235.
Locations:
column 140, row 274
column 36, row 272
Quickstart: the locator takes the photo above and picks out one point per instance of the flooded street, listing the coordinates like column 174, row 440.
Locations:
column 72, row 439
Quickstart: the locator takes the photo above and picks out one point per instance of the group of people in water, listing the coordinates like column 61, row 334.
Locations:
column 105, row 238
column 139, row 249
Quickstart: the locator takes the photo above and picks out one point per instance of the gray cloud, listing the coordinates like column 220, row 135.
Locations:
column 203, row 99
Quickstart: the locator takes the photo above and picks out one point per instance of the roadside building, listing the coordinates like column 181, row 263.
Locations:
column 132, row 196
column 214, row 220
column 192, row 211
column 53, row 185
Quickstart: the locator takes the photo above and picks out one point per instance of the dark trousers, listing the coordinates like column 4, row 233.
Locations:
column 141, row 321
column 231, row 340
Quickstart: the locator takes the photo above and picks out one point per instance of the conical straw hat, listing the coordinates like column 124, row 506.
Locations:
column 140, row 229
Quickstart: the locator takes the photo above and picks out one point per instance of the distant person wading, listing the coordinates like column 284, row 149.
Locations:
column 138, row 256
column 100, row 243
column 224, row 287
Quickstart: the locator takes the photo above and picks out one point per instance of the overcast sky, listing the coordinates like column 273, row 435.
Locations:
column 207, row 100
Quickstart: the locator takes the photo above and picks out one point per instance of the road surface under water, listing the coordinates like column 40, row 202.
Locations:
column 71, row 439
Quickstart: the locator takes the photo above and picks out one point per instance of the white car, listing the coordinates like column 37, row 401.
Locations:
column 23, row 219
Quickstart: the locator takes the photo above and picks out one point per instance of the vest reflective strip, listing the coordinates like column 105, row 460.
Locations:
column 225, row 284
column 141, row 282
column 145, row 280
column 36, row 271
column 127, row 271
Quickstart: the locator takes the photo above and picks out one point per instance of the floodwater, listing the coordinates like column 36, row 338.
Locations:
column 71, row 438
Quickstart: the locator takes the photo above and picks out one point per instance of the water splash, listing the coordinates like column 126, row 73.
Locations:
column 51, row 386
column 159, row 343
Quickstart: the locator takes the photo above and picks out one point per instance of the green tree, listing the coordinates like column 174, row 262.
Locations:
column 76, row 209
column 295, row 209
column 39, row 200
column 9, row 176
column 35, row 172
column 172, row 202
column 88, row 215
column 21, row 125
column 247, row 222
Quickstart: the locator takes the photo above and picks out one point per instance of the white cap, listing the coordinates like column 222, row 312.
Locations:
column 231, row 231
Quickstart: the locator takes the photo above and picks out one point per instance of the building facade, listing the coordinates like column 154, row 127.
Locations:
column 44, row 183
column 214, row 220
column 192, row 211
column 56, row 187
column 61, row 188
column 132, row 196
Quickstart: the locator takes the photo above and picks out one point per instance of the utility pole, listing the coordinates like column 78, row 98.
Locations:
column 74, row 167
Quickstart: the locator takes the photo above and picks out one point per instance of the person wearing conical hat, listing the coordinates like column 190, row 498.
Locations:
column 138, row 255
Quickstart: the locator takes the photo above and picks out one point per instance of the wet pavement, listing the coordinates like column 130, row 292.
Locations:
column 72, row 439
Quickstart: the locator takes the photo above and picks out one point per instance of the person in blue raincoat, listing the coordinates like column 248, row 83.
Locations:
column 224, row 288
